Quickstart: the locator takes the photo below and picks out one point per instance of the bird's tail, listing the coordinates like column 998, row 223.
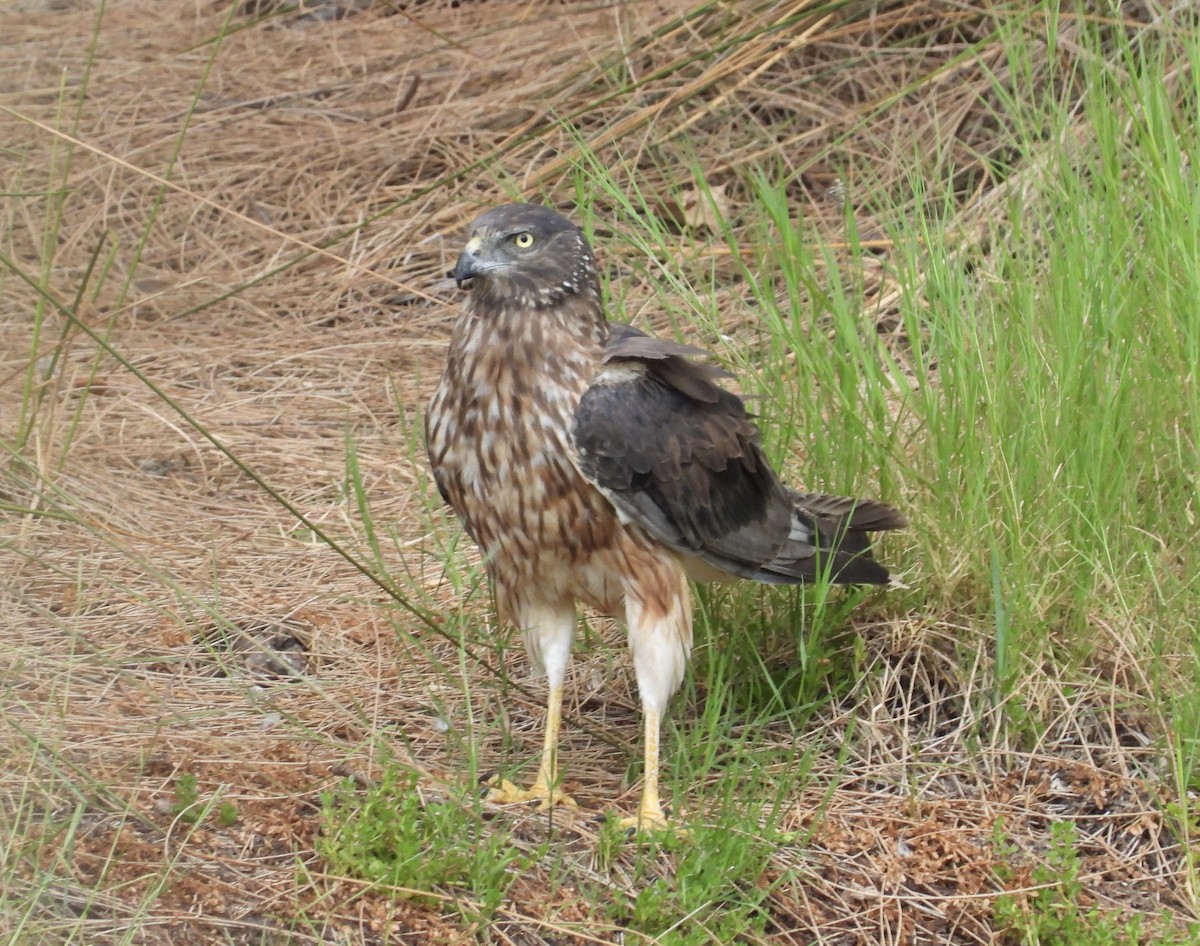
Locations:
column 839, row 528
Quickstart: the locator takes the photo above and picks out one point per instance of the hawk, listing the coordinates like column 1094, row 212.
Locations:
column 592, row 463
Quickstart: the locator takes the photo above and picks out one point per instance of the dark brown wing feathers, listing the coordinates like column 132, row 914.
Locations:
column 679, row 455
column 672, row 363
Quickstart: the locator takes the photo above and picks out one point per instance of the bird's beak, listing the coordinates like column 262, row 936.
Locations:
column 469, row 264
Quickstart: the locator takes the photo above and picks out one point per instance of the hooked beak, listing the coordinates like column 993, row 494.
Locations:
column 469, row 263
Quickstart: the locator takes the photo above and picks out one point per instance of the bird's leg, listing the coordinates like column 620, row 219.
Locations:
column 660, row 636
column 545, row 785
column 650, row 816
column 548, row 636
column 545, row 789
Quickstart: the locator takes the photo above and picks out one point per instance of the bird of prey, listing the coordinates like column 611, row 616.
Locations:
column 592, row 463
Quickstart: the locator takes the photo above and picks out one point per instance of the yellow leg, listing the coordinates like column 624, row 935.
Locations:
column 650, row 816
column 544, row 789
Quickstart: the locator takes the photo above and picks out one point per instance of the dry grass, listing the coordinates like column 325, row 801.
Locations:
column 289, row 294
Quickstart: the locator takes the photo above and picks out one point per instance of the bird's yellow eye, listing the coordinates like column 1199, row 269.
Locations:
column 523, row 240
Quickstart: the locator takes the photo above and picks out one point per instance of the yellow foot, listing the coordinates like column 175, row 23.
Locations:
column 504, row 792
column 651, row 821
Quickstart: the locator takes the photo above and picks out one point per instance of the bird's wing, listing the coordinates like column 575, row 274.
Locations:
column 679, row 456
column 676, row 454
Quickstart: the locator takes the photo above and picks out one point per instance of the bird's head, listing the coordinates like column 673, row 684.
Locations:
column 528, row 255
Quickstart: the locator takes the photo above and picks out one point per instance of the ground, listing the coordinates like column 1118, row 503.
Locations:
column 251, row 211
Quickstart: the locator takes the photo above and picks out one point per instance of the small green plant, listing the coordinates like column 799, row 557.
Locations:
column 189, row 807
column 715, row 892
column 390, row 834
column 1055, row 916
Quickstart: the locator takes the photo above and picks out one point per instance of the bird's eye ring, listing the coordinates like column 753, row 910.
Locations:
column 523, row 240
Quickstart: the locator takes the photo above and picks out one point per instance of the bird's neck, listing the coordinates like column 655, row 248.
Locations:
column 575, row 330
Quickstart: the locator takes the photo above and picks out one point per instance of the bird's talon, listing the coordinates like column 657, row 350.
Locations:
column 651, row 823
column 504, row 792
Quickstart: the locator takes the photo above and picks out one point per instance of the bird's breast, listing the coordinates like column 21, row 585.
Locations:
column 499, row 432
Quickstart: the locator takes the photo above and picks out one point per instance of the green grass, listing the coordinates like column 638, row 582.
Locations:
column 391, row 835
column 1036, row 413
column 717, row 891
column 1046, row 436
column 1055, row 914
column 191, row 808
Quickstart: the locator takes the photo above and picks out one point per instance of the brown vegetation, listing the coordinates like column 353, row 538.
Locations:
column 260, row 223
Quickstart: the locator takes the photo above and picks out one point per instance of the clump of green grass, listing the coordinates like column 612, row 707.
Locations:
column 429, row 850
column 1035, row 409
column 716, row 891
column 190, row 807
column 1055, row 915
